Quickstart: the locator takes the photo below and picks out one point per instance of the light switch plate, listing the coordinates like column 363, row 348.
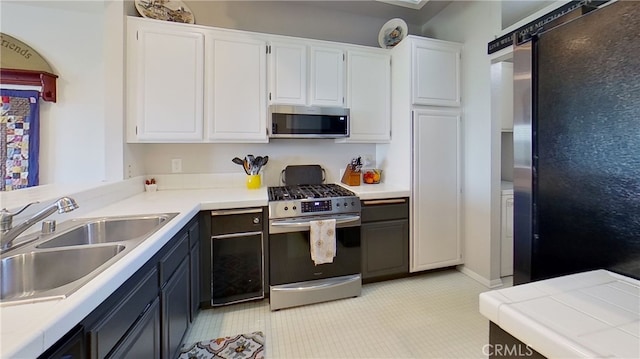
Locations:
column 176, row 165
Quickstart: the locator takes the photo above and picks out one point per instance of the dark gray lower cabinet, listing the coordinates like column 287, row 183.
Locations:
column 148, row 316
column 385, row 239
column 124, row 310
column 175, row 310
column 143, row 341
column 194, row 269
column 194, row 274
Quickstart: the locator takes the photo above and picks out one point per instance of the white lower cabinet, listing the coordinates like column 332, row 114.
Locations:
column 506, row 238
column 436, row 240
column 369, row 96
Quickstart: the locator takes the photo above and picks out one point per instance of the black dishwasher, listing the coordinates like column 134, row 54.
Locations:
column 237, row 252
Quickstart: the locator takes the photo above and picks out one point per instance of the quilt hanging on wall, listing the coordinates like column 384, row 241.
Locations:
column 19, row 139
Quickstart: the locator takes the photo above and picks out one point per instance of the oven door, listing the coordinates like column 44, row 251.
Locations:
column 290, row 256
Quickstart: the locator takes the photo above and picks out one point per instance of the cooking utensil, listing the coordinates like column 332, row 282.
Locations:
column 302, row 174
column 257, row 164
column 247, row 167
column 240, row 162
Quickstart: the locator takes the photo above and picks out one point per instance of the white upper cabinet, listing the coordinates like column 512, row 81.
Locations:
column 435, row 68
column 288, row 73
column 236, row 89
column 327, row 77
column 165, row 82
column 369, row 96
column 306, row 75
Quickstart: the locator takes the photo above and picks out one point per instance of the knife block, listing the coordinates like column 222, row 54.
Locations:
column 351, row 177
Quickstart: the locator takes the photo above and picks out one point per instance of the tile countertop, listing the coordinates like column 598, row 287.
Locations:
column 26, row 330
column 584, row 315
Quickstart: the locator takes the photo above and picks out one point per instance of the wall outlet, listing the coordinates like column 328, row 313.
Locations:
column 176, row 165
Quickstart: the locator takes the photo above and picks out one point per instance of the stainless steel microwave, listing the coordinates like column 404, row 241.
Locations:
column 308, row 122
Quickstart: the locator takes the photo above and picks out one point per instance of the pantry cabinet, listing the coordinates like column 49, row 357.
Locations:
column 435, row 67
column 305, row 75
column 369, row 96
column 436, row 239
column 165, row 82
column 236, row 88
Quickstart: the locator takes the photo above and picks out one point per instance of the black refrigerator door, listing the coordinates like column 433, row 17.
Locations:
column 586, row 145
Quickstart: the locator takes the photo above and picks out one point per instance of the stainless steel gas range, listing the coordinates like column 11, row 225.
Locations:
column 294, row 278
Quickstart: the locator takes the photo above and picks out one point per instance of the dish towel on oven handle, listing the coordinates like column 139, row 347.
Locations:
column 322, row 241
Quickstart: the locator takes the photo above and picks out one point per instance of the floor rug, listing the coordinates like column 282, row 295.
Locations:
column 243, row 346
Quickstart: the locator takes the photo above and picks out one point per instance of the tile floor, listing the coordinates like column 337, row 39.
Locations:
column 433, row 315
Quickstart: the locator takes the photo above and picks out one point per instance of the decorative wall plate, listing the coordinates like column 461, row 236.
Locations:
column 168, row 10
column 392, row 32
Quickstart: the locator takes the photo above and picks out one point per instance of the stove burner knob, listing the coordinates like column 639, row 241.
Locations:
column 345, row 204
column 286, row 208
column 337, row 204
column 294, row 208
column 353, row 203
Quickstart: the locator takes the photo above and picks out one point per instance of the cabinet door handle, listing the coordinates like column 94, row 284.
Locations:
column 235, row 235
column 235, row 211
column 384, row 201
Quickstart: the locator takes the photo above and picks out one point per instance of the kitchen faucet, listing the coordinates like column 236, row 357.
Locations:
column 8, row 233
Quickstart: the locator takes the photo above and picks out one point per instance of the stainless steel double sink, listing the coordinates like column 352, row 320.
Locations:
column 56, row 265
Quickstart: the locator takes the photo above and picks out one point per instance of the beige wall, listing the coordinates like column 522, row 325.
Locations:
column 341, row 21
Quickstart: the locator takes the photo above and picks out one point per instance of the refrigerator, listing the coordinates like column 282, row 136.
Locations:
column 577, row 146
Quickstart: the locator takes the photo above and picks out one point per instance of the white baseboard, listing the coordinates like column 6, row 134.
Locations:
column 477, row 277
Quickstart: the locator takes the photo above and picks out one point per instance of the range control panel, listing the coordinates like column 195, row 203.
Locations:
column 295, row 208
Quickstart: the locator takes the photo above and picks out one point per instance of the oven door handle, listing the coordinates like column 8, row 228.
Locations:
column 339, row 220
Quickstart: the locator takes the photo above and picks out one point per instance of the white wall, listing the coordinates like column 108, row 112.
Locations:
column 216, row 158
column 72, row 129
column 475, row 23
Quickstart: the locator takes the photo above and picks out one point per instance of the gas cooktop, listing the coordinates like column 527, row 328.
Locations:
column 310, row 191
column 311, row 200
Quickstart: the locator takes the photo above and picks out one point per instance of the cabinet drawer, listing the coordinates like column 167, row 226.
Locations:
column 236, row 221
column 108, row 332
column 385, row 209
column 173, row 258
column 143, row 341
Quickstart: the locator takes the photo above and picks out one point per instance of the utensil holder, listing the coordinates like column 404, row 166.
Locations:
column 351, row 177
column 253, row 181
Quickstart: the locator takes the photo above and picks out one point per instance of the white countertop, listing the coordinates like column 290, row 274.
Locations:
column 26, row 330
column 585, row 315
column 378, row 191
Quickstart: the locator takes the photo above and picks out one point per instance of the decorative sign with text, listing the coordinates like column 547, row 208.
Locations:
column 525, row 32
column 15, row 54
